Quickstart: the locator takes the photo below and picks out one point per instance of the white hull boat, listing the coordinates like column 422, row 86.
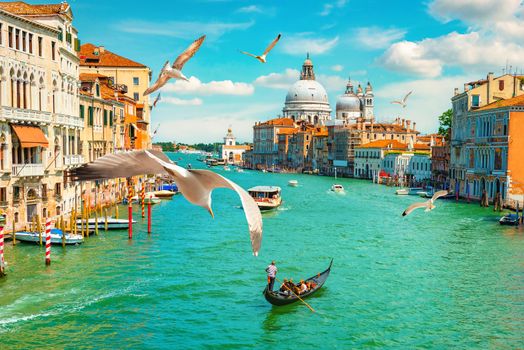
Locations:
column 266, row 197
column 153, row 200
column 56, row 237
column 337, row 188
column 293, row 183
column 112, row 223
column 402, row 192
column 162, row 194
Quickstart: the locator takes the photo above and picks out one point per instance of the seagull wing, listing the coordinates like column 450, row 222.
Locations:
column 188, row 53
column 437, row 195
column 406, row 97
column 249, row 54
column 161, row 81
column 272, row 45
column 397, row 102
column 414, row 206
column 195, row 185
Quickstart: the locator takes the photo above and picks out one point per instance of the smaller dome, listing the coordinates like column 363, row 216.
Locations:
column 348, row 103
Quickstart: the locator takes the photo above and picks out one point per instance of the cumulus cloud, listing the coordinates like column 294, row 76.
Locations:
column 410, row 57
column 474, row 11
column 180, row 29
column 337, row 68
column 278, row 80
column 300, row 44
column 223, row 87
column 181, row 102
column 378, row 38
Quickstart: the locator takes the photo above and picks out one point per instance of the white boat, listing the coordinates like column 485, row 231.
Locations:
column 293, row 183
column 337, row 188
column 162, row 194
column 402, row 191
column 239, row 170
column 112, row 223
column 266, row 197
column 227, row 168
column 56, row 237
column 153, row 200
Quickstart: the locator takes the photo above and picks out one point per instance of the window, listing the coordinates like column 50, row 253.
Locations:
column 136, row 96
column 110, row 118
column 498, row 159
column 40, row 49
column 501, row 85
column 1, row 42
column 136, row 81
column 90, row 116
column 10, row 36
column 82, row 111
column 475, row 100
column 44, row 191
column 105, row 117
column 16, row 193
column 58, row 189
column 53, row 54
column 30, row 43
column 24, row 36
column 97, row 90
column 3, row 195
column 17, row 39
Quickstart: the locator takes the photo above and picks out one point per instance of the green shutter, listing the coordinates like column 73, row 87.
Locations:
column 105, row 117
column 90, row 120
column 111, row 118
column 77, row 45
column 82, row 111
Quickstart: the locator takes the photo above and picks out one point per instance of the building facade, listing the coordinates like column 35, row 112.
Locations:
column 231, row 152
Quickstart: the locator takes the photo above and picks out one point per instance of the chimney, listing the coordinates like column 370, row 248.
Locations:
column 102, row 49
column 466, row 87
column 490, row 82
column 403, row 122
column 408, row 123
column 414, row 126
column 456, row 92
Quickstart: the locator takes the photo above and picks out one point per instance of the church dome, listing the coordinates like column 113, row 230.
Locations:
column 307, row 91
column 348, row 103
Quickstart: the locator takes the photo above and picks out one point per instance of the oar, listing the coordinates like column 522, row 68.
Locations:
column 299, row 298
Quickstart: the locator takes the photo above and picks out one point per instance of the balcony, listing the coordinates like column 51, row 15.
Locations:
column 24, row 115
column 69, row 120
column 73, row 159
column 20, row 170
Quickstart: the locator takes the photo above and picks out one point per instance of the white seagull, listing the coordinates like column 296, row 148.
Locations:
column 195, row 185
column 403, row 102
column 175, row 71
column 262, row 58
column 428, row 205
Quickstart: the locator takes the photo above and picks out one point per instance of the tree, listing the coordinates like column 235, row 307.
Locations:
column 445, row 122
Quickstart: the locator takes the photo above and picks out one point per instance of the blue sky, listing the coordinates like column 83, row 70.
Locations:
column 429, row 47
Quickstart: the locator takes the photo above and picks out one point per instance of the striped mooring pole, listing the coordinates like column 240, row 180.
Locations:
column 2, row 264
column 130, row 213
column 48, row 241
column 143, row 199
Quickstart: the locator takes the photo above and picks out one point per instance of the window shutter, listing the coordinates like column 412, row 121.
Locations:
column 111, row 118
column 82, row 111
column 105, row 117
column 90, row 120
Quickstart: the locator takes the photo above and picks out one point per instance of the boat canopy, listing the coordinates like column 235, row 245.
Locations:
column 266, row 189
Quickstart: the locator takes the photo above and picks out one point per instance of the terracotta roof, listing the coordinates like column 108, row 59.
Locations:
column 515, row 101
column 23, row 9
column 279, row 121
column 90, row 76
column 421, row 146
column 391, row 144
column 244, row 147
column 287, row 131
column 105, row 58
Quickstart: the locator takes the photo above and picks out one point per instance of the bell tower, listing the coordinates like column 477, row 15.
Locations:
column 307, row 70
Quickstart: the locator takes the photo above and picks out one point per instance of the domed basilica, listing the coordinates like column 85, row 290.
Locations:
column 307, row 100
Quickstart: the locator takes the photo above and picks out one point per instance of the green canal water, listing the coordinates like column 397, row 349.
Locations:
column 451, row 278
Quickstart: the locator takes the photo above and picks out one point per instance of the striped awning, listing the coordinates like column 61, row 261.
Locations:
column 30, row 136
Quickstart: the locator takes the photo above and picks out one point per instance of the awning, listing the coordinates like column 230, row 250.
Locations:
column 30, row 136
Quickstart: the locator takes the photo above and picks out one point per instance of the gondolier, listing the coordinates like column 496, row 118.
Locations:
column 271, row 273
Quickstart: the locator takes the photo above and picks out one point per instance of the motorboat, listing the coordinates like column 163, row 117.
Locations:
column 402, row 191
column 509, row 219
column 169, row 187
column 56, row 237
column 415, row 190
column 337, row 188
column 266, row 197
column 293, row 183
column 112, row 223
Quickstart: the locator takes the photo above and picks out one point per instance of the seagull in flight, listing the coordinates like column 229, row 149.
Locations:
column 262, row 58
column 157, row 99
column 403, row 102
column 175, row 71
column 195, row 185
column 428, row 205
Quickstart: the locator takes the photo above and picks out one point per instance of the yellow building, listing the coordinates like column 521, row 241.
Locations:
column 132, row 78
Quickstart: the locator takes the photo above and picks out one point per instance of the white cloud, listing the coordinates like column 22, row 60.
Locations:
column 474, row 12
column 409, row 57
column 278, row 80
column 224, row 87
column 337, row 68
column 300, row 44
column 332, row 82
column 181, row 102
column 378, row 38
column 250, row 9
column 181, row 29
column 328, row 8
column 429, row 99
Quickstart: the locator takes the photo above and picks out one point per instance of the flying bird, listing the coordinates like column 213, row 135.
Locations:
column 262, row 58
column 403, row 102
column 157, row 99
column 428, row 205
column 195, row 185
column 175, row 71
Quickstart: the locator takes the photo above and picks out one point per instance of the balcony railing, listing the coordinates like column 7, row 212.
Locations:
column 27, row 115
column 73, row 159
column 28, row 170
column 69, row 120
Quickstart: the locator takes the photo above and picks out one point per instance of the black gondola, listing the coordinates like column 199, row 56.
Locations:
column 279, row 299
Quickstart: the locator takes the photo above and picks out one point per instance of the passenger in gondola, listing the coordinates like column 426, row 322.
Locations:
column 303, row 288
column 284, row 288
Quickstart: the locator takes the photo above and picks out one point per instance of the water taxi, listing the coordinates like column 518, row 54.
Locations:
column 293, row 183
column 266, row 197
column 337, row 188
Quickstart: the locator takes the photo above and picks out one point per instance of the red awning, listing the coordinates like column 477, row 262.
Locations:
column 30, row 136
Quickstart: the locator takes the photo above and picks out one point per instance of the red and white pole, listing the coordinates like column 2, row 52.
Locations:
column 48, row 241
column 149, row 216
column 2, row 251
column 143, row 198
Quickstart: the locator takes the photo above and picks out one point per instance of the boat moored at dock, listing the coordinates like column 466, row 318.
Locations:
column 56, row 237
column 266, row 197
column 509, row 220
column 112, row 223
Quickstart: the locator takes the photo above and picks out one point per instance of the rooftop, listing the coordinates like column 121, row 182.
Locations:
column 98, row 56
column 510, row 102
column 21, row 8
column 278, row 121
column 389, row 144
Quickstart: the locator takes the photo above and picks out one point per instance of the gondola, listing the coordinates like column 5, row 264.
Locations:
column 279, row 299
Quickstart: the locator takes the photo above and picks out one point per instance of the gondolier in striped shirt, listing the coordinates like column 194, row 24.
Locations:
column 271, row 273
